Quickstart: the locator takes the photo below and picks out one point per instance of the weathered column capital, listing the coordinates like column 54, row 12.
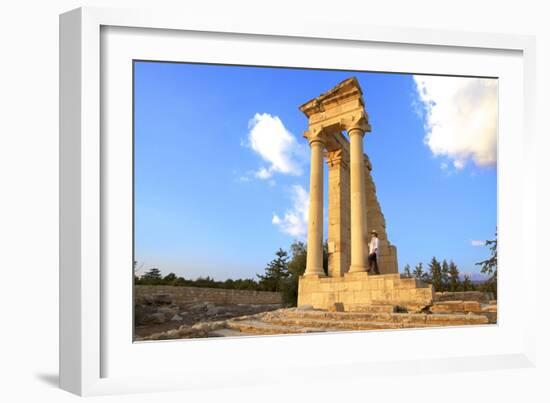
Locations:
column 356, row 124
column 337, row 158
column 317, row 134
column 316, row 140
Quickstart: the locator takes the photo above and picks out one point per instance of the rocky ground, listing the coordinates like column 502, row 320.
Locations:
column 157, row 314
column 224, row 321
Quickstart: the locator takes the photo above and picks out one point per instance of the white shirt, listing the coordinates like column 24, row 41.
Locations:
column 373, row 245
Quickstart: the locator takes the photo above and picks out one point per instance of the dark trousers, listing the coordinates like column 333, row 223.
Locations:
column 373, row 262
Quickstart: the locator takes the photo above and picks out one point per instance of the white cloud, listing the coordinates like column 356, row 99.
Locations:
column 477, row 243
column 278, row 147
column 460, row 118
column 263, row 173
column 294, row 222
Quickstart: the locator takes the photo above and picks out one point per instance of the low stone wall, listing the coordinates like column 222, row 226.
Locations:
column 182, row 295
column 464, row 296
column 362, row 289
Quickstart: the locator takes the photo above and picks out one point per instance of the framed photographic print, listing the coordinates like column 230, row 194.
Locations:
column 321, row 197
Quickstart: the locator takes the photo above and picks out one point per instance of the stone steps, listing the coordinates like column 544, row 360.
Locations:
column 339, row 325
column 294, row 321
column 384, row 317
column 260, row 327
column 372, row 308
column 225, row 332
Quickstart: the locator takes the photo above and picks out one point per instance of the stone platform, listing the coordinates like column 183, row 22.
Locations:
column 299, row 320
column 355, row 290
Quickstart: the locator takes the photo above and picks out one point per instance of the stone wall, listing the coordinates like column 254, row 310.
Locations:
column 387, row 253
column 464, row 296
column 358, row 289
column 182, row 295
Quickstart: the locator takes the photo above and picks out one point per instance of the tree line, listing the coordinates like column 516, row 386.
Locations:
column 444, row 276
column 154, row 277
column 280, row 275
column 283, row 272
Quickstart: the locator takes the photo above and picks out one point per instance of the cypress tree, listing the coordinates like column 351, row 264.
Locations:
column 418, row 272
column 445, row 275
column 435, row 273
column 454, row 277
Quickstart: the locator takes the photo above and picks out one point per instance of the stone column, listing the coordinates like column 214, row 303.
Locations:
column 359, row 252
column 314, row 263
column 338, row 212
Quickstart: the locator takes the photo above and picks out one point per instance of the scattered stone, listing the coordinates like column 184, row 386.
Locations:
column 167, row 312
column 336, row 307
column 456, row 319
column 157, row 318
column 161, row 299
column 201, row 306
column 447, row 307
column 472, row 306
column 213, row 310
column 489, row 308
column 176, row 318
column 372, row 308
column 209, row 326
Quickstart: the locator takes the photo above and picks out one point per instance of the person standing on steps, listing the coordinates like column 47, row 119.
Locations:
column 373, row 253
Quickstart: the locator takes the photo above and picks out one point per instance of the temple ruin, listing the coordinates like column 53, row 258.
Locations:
column 353, row 211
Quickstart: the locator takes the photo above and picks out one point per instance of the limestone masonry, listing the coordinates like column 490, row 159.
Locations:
column 181, row 295
column 353, row 211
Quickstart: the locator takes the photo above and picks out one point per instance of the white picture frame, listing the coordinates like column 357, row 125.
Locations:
column 87, row 334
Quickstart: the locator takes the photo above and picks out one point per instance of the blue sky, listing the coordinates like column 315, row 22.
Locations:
column 222, row 169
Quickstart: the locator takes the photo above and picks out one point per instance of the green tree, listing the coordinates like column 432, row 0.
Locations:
column 169, row 279
column 298, row 258
column 180, row 281
column 275, row 272
column 445, row 275
column 454, row 277
column 407, row 271
column 152, row 277
column 205, row 282
column 296, row 268
column 489, row 266
column 418, row 272
column 246, row 284
column 467, row 284
column 434, row 268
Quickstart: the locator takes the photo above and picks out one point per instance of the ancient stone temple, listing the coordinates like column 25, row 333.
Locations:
column 353, row 211
column 347, row 298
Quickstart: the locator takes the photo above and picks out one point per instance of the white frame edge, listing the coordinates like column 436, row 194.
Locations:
column 79, row 281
